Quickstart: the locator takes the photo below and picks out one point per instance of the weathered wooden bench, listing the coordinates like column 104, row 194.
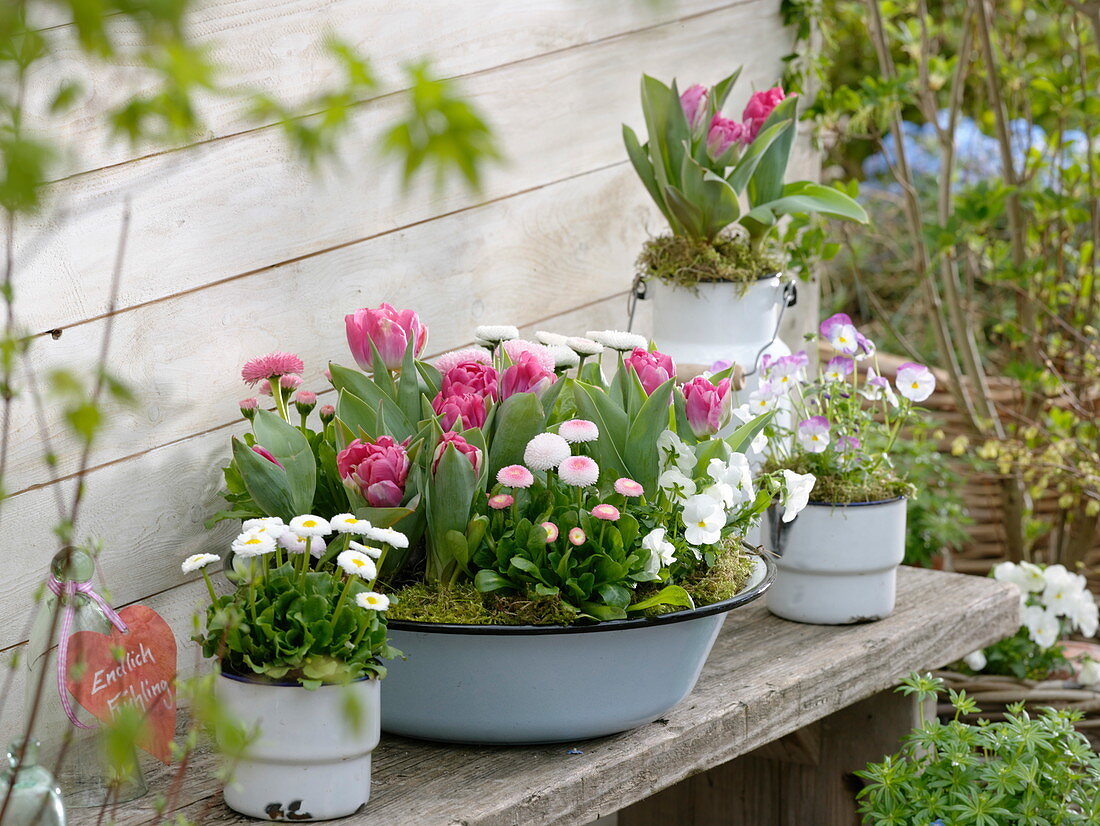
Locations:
column 782, row 714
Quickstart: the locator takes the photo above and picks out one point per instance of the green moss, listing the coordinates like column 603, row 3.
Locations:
column 686, row 262
column 863, row 487
column 731, row 570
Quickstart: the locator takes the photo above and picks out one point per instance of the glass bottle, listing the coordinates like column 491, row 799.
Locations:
column 35, row 798
column 75, row 755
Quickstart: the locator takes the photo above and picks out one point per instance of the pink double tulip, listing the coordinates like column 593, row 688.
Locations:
column 389, row 329
column 723, row 134
column 471, row 452
column 652, row 368
column 527, row 375
column 756, row 112
column 376, row 469
column 707, row 405
column 470, row 377
column 694, row 100
column 473, row 408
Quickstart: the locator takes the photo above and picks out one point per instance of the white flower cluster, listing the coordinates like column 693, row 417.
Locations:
column 306, row 532
column 1049, row 596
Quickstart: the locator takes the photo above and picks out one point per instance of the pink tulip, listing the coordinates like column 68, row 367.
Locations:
column 723, row 134
column 652, row 368
column 472, row 407
column 756, row 112
column 694, row 101
column 389, row 329
column 471, row 377
column 461, row 445
column 376, row 469
column 707, row 405
column 527, row 375
column 263, row 451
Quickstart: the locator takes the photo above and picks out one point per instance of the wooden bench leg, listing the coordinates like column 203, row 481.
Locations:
column 804, row 779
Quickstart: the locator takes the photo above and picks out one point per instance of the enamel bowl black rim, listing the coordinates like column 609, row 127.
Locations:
column 737, row 600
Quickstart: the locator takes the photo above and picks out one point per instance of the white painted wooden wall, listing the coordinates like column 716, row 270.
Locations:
column 237, row 250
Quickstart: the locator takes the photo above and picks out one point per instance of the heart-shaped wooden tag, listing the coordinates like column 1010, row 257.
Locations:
column 106, row 672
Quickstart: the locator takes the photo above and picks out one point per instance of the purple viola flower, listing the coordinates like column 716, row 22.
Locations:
column 839, row 368
column 848, row 444
column 866, row 347
column 832, row 322
column 813, row 434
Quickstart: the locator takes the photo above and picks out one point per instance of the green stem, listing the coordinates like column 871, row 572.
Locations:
column 209, row 586
column 378, row 567
column 343, row 598
column 280, row 401
column 359, row 637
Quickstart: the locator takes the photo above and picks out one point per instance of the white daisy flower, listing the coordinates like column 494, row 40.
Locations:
column 661, row 549
column 393, row 538
column 357, row 564
column 496, row 333
column 584, row 346
column 619, row 340
column 265, row 522
column 796, row 492
column 372, row 601
column 349, row 523
column 292, row 543
column 577, row 431
column 197, row 562
column 551, row 339
column 369, row 550
column 254, row 542
column 310, row 525
column 546, row 451
column 704, row 518
column 564, row 357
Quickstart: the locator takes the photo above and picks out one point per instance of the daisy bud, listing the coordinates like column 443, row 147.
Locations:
column 327, row 413
column 305, row 401
column 249, row 407
column 290, row 382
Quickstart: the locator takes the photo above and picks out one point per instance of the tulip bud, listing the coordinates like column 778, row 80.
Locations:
column 723, row 134
column 389, row 330
column 707, row 405
column 694, row 101
column 652, row 368
column 759, row 107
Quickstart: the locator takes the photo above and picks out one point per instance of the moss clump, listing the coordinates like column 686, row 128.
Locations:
column 845, row 489
column 685, row 262
column 465, row 605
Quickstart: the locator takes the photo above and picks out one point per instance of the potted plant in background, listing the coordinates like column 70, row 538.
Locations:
column 715, row 277
column 1022, row 769
column 556, row 522
column 299, row 644
column 838, row 558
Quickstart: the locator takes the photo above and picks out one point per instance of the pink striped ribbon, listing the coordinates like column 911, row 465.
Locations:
column 67, row 591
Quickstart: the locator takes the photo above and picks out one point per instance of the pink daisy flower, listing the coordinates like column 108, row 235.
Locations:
column 446, row 362
column 576, row 431
column 290, row 381
column 515, row 476
column 501, row 501
column 579, row 471
column 606, row 512
column 271, row 366
column 628, row 487
column 577, row 537
column 551, row 531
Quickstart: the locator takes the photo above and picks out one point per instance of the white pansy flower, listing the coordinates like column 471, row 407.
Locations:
column 704, row 518
column 372, row 552
column 678, row 486
column 197, row 562
column 1090, row 673
column 496, row 333
column 675, row 453
column 759, row 442
column 1062, row 589
column 743, row 413
column 975, row 659
column 551, row 339
column 723, row 493
column 796, row 492
column 1042, row 626
column 254, row 542
column 393, row 538
column 760, row 402
column 349, row 523
column 618, row 340
column 357, row 564
column 1032, row 578
column 844, row 339
column 310, row 525
column 735, row 474
column 583, row 346
column 372, row 601
column 1085, row 614
column 661, row 549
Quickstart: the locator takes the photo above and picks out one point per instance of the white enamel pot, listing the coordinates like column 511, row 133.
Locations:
column 549, row 684
column 311, row 757
column 837, row 563
column 720, row 320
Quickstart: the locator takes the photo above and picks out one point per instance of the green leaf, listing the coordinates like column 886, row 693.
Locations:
column 687, row 213
column 742, row 437
column 767, row 183
column 643, row 461
column 449, row 497
column 609, row 449
column 639, row 157
column 487, row 581
column 722, row 89
column 519, row 419
column 265, row 482
column 669, row 595
column 290, row 446
column 805, row 197
column 752, row 162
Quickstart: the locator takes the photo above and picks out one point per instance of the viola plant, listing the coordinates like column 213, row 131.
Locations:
column 841, row 425
column 304, row 609
column 516, row 469
column 700, row 167
column 1054, row 603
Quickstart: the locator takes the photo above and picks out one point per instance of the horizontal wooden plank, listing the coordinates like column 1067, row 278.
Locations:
column 233, row 206
column 765, row 679
column 277, row 47
column 518, row 260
